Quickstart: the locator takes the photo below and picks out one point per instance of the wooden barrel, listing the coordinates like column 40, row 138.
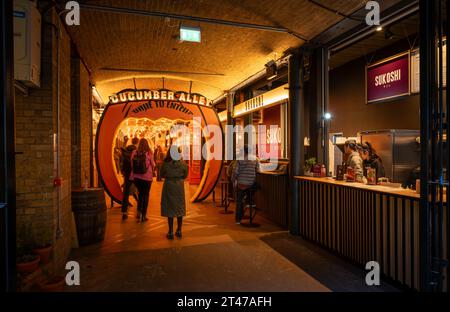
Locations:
column 89, row 208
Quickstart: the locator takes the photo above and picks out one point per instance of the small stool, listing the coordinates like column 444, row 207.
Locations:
column 224, row 199
column 250, row 192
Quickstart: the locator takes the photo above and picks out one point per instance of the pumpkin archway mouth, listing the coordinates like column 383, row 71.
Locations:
column 151, row 119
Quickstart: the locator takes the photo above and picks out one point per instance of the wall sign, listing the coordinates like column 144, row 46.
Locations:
column 388, row 79
column 263, row 100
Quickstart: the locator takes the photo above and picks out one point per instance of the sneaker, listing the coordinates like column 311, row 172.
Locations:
column 124, row 216
column 138, row 215
column 169, row 235
column 238, row 222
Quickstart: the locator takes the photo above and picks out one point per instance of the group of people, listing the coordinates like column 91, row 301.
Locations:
column 139, row 166
column 362, row 156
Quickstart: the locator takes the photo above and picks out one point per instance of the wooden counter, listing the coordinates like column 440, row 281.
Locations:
column 271, row 198
column 363, row 223
column 372, row 188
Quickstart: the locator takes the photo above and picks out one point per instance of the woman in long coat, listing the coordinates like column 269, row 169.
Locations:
column 173, row 204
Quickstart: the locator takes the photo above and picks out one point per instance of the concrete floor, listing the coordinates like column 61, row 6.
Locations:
column 214, row 254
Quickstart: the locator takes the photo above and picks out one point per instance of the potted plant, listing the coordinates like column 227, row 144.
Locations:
column 52, row 283
column 26, row 261
column 43, row 247
column 310, row 162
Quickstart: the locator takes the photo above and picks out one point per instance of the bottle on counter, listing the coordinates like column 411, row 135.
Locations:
column 371, row 176
column 323, row 171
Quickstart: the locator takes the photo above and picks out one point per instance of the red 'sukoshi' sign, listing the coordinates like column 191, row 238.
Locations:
column 388, row 79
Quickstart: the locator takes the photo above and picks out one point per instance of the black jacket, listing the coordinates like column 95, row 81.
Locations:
column 375, row 163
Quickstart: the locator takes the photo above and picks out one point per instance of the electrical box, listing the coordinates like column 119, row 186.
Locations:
column 27, row 43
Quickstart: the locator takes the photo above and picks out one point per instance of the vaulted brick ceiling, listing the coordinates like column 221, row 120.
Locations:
column 115, row 45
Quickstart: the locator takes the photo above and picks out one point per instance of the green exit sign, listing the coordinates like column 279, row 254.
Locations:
column 191, row 34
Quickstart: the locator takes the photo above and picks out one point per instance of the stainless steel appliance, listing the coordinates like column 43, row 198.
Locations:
column 398, row 149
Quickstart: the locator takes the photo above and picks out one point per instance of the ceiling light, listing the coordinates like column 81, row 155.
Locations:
column 379, row 28
column 271, row 70
column 388, row 34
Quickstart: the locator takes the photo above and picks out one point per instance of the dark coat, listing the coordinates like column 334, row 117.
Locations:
column 375, row 163
column 172, row 199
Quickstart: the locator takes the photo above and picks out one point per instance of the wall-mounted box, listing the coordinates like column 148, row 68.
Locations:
column 27, row 43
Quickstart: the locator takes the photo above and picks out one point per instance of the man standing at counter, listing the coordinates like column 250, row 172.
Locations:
column 354, row 161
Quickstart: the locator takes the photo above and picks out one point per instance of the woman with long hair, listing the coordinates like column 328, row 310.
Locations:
column 142, row 167
column 173, row 203
column 371, row 159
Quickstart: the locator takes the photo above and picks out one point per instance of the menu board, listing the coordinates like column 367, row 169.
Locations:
column 388, row 79
column 415, row 68
column 415, row 71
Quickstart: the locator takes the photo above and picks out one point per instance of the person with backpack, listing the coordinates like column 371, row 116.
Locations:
column 125, row 167
column 142, row 167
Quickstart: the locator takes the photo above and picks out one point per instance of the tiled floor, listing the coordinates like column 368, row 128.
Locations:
column 214, row 254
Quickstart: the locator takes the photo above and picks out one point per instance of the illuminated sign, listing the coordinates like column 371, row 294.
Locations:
column 264, row 100
column 191, row 34
column 223, row 116
column 388, row 79
column 144, row 95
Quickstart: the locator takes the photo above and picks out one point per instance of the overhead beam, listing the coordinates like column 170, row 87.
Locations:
column 138, row 70
column 119, row 10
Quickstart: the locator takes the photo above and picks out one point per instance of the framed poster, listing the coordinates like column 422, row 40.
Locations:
column 388, row 78
column 415, row 71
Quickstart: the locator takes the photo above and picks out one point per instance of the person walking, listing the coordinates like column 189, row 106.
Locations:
column 159, row 158
column 173, row 203
column 143, row 165
column 126, row 172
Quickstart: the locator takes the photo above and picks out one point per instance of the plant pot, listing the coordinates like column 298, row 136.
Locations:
column 28, row 266
column 53, row 284
column 44, row 253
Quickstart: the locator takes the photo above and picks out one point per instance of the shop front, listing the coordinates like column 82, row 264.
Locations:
column 262, row 121
column 366, row 207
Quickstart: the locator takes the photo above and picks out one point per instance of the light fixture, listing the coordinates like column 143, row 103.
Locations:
column 190, row 33
column 271, row 70
column 327, row 116
column 97, row 96
column 388, row 34
column 379, row 28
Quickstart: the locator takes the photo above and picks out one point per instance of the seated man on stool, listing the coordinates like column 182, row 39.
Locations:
column 244, row 177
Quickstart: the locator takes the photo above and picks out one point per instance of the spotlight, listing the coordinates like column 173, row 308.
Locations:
column 271, row 70
column 327, row 116
column 388, row 34
column 379, row 28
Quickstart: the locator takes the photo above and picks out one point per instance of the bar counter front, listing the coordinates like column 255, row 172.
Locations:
column 363, row 223
column 271, row 199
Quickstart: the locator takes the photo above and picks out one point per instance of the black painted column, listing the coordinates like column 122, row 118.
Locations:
column 230, row 143
column 322, row 57
column 7, row 152
column 296, row 136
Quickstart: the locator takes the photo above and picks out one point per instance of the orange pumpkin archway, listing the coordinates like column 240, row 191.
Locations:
column 114, row 114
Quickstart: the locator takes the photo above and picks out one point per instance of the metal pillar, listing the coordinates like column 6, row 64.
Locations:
column 434, row 149
column 322, row 58
column 7, row 152
column 295, row 136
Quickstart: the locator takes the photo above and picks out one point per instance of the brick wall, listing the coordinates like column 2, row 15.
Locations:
column 81, row 123
column 36, row 122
